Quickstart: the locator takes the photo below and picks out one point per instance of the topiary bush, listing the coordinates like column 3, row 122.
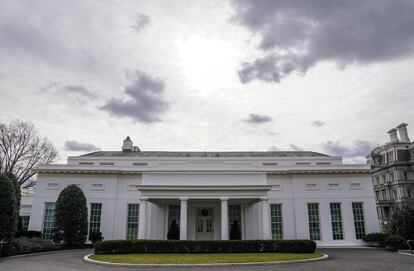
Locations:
column 396, row 242
column 219, row 246
column 376, row 237
column 71, row 217
column 95, row 236
column 8, row 205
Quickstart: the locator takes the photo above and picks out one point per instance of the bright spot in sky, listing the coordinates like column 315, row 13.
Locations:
column 207, row 62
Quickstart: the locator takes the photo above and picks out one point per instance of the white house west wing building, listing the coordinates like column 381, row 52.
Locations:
column 134, row 194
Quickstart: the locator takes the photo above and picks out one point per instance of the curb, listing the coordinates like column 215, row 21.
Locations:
column 86, row 259
column 406, row 254
column 43, row 253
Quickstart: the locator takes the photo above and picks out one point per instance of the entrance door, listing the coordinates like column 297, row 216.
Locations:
column 205, row 224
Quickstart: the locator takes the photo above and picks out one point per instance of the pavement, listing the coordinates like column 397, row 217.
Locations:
column 339, row 260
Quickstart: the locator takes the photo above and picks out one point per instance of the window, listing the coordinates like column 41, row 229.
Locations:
column 390, row 157
column 49, row 220
column 97, row 186
column 377, row 180
column 314, row 225
column 95, row 218
column 53, row 186
column 85, row 163
column 133, row 221
column 359, row 222
column 106, row 163
column 355, row 186
column 276, row 220
column 384, row 194
column 269, row 164
column 140, row 164
column 234, row 215
column 377, row 195
column 323, row 163
column 334, row 186
column 302, row 163
column 311, row 186
column 24, row 222
column 336, row 218
column 174, row 214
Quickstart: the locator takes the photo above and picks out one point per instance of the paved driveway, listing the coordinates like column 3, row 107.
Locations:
column 340, row 259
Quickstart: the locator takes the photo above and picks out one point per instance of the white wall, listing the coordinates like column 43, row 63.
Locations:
column 288, row 190
column 115, row 197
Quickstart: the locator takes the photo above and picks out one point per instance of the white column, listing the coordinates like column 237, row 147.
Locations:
column 224, row 218
column 142, row 219
column 183, row 219
column 265, row 219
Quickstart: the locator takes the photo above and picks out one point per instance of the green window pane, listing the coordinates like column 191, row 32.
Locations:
column 359, row 221
column 95, row 217
column 133, row 221
column 49, row 220
column 24, row 220
column 276, row 221
column 314, row 223
column 336, row 219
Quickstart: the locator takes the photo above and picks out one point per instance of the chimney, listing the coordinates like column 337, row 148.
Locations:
column 127, row 146
column 402, row 129
column 393, row 135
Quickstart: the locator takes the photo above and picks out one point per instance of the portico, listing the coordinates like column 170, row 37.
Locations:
column 205, row 213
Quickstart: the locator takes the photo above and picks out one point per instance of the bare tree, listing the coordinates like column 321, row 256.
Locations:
column 22, row 149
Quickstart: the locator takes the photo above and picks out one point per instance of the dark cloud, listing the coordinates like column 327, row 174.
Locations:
column 141, row 20
column 258, row 119
column 77, row 90
column 74, row 145
column 145, row 103
column 296, row 35
column 359, row 149
column 318, row 123
column 73, row 93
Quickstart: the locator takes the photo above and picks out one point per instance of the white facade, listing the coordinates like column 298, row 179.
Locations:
column 198, row 190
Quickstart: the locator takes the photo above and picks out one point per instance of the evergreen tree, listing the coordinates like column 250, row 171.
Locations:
column 71, row 217
column 235, row 231
column 8, row 222
column 173, row 231
column 18, row 195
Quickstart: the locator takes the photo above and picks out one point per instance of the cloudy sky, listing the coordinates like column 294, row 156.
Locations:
column 321, row 75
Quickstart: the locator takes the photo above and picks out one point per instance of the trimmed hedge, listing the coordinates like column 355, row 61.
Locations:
column 24, row 245
column 377, row 237
column 186, row 246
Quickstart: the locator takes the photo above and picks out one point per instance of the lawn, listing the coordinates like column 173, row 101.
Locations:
column 202, row 258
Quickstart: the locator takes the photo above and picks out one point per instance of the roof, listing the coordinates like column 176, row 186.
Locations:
column 204, row 154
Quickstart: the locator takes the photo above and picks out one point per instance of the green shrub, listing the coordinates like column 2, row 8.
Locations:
column 95, row 236
column 376, row 237
column 30, row 234
column 173, row 231
column 396, row 242
column 8, row 206
column 219, row 246
column 24, row 245
column 71, row 217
